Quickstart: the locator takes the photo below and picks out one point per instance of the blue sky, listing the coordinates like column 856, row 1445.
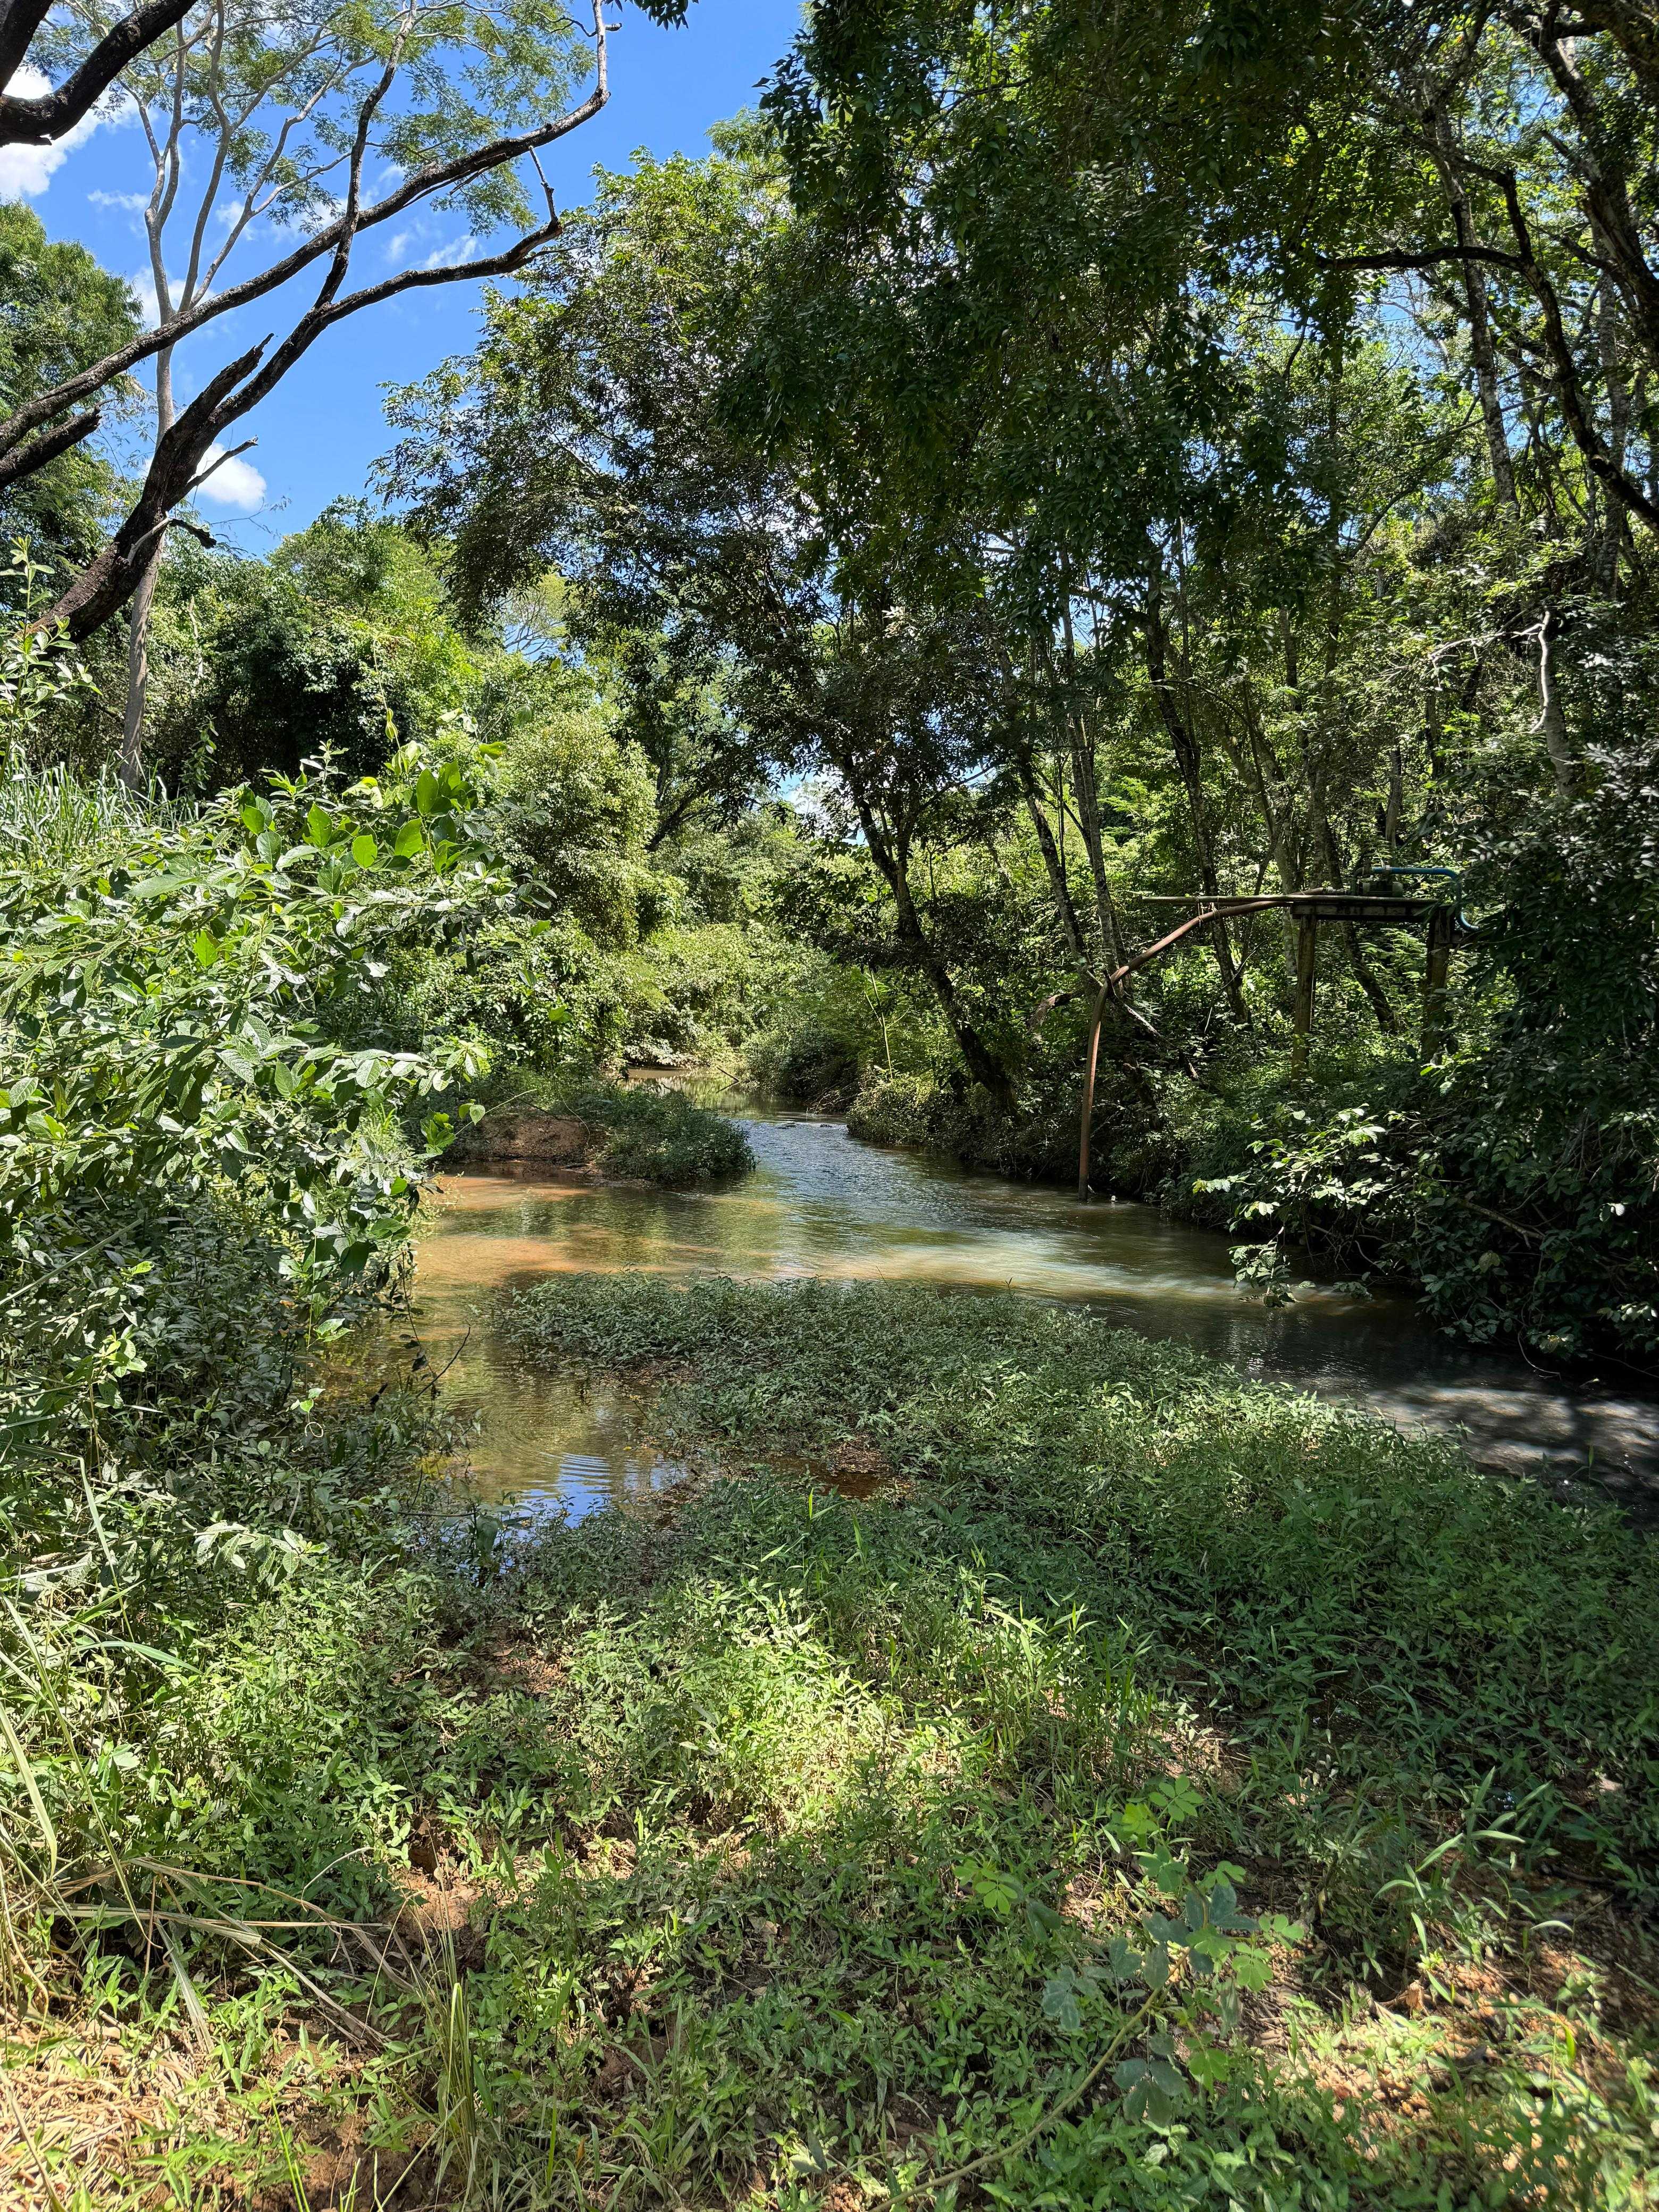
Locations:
column 320, row 430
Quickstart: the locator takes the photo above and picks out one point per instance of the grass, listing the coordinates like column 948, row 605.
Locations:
column 1025, row 1765
column 65, row 818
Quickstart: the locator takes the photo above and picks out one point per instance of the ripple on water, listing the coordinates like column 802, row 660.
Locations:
column 821, row 1204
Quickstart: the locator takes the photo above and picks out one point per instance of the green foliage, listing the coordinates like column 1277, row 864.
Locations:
column 1038, row 1138
column 566, row 974
column 178, row 1000
column 806, row 1067
column 575, row 801
column 1159, row 1773
column 59, row 313
column 1037, row 1764
column 1163, row 1492
column 39, row 670
column 1514, row 1183
column 343, row 643
column 1538, row 1212
column 659, row 1135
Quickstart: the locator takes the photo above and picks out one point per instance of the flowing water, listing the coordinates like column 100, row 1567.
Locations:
column 821, row 1204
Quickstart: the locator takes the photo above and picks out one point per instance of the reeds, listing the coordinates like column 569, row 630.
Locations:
column 62, row 817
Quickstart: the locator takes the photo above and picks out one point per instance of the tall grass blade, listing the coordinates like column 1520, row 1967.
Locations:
column 187, row 1989
column 20, row 1757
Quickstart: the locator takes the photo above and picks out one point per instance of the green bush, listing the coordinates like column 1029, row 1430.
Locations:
column 808, row 1067
column 198, row 1128
column 1036, row 1142
column 659, row 1136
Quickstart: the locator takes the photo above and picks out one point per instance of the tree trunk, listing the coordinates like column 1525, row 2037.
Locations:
column 1617, row 380
column 132, row 713
column 1184, row 744
column 890, row 857
column 1482, row 353
column 1052, row 862
column 105, row 585
column 1085, row 784
column 1552, row 719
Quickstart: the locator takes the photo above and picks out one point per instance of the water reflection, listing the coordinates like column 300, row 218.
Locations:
column 821, row 1204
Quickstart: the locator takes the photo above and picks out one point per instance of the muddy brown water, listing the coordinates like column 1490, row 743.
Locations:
column 822, row 1204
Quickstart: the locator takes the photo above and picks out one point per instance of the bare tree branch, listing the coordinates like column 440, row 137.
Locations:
column 1420, row 257
column 350, row 224
column 103, row 588
column 37, row 122
column 47, row 446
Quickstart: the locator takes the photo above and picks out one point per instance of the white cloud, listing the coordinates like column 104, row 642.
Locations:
column 134, row 203
column 143, row 288
column 453, row 255
column 26, row 171
column 406, row 243
column 235, row 483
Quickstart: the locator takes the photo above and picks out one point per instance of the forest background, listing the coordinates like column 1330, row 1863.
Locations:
column 888, row 614
column 1042, row 465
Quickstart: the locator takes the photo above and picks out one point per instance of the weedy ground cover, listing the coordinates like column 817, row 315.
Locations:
column 1132, row 1787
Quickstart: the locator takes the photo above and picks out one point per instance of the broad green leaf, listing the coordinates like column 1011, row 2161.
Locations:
column 1253, row 1969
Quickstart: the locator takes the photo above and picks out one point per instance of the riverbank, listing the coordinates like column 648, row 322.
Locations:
column 625, row 1133
column 1353, row 1174
column 1014, row 1741
column 1057, row 1601
column 1020, row 1695
column 821, row 1203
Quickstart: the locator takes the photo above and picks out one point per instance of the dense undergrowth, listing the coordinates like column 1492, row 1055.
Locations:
column 1018, row 1742
column 661, row 1136
column 1043, row 1768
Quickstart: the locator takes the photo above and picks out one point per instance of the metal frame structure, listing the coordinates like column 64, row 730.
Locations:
column 1308, row 910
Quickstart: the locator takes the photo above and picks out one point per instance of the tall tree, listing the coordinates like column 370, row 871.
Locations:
column 588, row 434
column 329, row 121
column 59, row 311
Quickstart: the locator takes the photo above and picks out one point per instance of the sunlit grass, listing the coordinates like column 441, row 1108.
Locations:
column 62, row 817
column 771, row 1847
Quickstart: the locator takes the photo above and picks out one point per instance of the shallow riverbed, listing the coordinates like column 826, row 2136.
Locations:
column 819, row 1203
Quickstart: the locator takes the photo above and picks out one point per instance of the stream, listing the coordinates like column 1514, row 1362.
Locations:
column 822, row 1204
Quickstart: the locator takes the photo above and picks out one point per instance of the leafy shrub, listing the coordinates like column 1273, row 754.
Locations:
column 190, row 1107
column 1037, row 1140
column 1515, row 1183
column 659, row 1135
column 807, row 1067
